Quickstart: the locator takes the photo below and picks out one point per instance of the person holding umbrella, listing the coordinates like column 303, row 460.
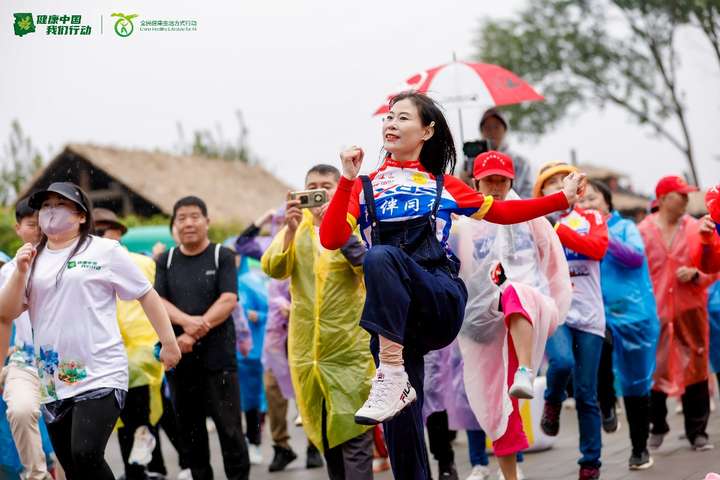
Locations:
column 494, row 128
column 415, row 300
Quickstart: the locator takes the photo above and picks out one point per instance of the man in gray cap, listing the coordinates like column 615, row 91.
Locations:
column 493, row 128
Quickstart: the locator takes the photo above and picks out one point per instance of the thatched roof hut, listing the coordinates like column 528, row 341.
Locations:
column 146, row 183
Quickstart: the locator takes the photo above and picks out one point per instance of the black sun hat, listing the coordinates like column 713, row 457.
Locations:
column 65, row 189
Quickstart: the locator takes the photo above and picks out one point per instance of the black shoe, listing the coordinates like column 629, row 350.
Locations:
column 447, row 472
column 610, row 421
column 701, row 443
column 282, row 458
column 313, row 459
column 550, row 422
column 641, row 462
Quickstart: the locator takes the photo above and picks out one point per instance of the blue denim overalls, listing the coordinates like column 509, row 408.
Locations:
column 415, row 298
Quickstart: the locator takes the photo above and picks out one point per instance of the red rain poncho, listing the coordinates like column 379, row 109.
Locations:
column 682, row 353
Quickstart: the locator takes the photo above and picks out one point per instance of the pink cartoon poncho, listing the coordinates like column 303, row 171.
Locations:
column 535, row 265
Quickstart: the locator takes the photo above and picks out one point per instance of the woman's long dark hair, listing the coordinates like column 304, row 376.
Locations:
column 604, row 190
column 438, row 153
column 84, row 240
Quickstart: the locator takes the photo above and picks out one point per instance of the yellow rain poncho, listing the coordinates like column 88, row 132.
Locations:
column 140, row 338
column 328, row 352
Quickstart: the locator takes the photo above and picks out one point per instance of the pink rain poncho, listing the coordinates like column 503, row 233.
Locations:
column 535, row 265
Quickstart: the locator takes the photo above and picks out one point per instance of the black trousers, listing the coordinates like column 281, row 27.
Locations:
column 606, row 378
column 168, row 422
column 81, row 435
column 637, row 411
column 136, row 414
column 696, row 409
column 197, row 392
column 253, row 423
column 351, row 460
column 439, row 438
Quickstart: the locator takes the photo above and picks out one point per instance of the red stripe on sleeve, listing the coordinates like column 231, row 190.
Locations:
column 508, row 212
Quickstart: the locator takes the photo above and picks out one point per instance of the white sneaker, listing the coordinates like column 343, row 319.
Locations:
column 255, row 454
column 479, row 472
column 143, row 446
column 298, row 421
column 522, row 386
column 520, row 474
column 185, row 474
column 389, row 394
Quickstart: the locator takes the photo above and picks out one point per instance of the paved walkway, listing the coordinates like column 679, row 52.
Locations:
column 674, row 461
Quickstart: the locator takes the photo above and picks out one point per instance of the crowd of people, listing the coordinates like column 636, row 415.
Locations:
column 410, row 301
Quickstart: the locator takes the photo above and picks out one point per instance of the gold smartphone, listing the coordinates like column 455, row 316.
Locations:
column 310, row 198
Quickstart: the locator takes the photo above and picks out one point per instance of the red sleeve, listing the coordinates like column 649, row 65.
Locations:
column 594, row 244
column 342, row 214
column 706, row 254
column 517, row 211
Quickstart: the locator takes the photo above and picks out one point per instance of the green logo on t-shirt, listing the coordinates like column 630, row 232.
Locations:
column 86, row 264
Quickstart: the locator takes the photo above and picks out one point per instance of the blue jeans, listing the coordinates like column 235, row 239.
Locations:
column 476, row 449
column 577, row 353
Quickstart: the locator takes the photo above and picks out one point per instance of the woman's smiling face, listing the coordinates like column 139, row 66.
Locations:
column 403, row 131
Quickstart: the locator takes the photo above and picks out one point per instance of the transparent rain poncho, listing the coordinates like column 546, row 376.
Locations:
column 535, row 265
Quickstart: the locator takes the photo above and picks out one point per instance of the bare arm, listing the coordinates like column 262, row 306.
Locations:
column 156, row 312
column 13, row 292
column 177, row 316
column 5, row 332
column 220, row 310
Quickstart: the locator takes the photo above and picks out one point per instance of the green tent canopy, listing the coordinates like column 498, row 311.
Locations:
column 142, row 239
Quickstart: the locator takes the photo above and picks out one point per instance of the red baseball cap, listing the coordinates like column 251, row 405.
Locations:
column 493, row 163
column 712, row 201
column 673, row 183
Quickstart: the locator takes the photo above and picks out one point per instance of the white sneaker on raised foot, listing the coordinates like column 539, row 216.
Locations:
column 522, row 386
column 143, row 446
column 389, row 394
column 479, row 472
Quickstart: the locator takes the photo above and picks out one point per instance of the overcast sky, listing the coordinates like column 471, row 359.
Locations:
column 306, row 74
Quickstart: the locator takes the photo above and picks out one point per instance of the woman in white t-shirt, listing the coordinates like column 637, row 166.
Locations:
column 69, row 284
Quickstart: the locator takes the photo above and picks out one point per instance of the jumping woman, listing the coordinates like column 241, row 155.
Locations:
column 415, row 300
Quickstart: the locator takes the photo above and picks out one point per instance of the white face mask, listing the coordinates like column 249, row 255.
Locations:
column 56, row 220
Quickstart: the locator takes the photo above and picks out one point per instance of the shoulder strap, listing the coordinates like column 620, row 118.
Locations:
column 370, row 207
column 217, row 256
column 439, row 186
column 169, row 260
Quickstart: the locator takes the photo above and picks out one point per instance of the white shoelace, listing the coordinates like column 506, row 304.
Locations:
column 378, row 392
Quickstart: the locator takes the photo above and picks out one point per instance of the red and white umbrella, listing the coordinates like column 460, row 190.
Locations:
column 466, row 84
column 461, row 85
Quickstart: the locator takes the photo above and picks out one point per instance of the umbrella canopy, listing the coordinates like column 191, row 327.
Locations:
column 466, row 84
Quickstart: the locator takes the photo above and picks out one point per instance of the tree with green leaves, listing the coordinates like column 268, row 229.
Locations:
column 595, row 52
column 19, row 160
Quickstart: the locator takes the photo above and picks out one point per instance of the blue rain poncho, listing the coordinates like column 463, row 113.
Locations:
column 253, row 296
column 630, row 307
column 714, row 315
